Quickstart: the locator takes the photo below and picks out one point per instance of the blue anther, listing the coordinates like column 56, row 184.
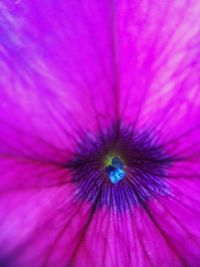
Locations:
column 116, row 163
column 115, row 171
column 116, row 175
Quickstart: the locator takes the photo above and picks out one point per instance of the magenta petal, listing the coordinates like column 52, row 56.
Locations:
column 159, row 45
column 64, row 61
column 30, row 224
column 84, row 82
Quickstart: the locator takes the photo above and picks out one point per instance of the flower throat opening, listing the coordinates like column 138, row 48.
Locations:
column 120, row 168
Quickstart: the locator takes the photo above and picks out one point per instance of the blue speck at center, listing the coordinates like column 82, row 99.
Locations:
column 115, row 171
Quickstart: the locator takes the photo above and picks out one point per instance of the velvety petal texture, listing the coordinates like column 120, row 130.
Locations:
column 83, row 82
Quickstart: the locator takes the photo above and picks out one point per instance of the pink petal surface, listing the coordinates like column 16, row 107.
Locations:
column 68, row 63
column 75, row 66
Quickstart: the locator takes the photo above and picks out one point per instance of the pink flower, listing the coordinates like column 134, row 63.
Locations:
column 99, row 133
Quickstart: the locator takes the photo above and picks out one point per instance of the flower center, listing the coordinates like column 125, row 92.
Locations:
column 120, row 168
column 115, row 170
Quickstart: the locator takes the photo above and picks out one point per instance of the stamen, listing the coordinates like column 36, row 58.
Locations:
column 115, row 171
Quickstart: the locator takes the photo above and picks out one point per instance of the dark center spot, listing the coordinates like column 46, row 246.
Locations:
column 120, row 169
